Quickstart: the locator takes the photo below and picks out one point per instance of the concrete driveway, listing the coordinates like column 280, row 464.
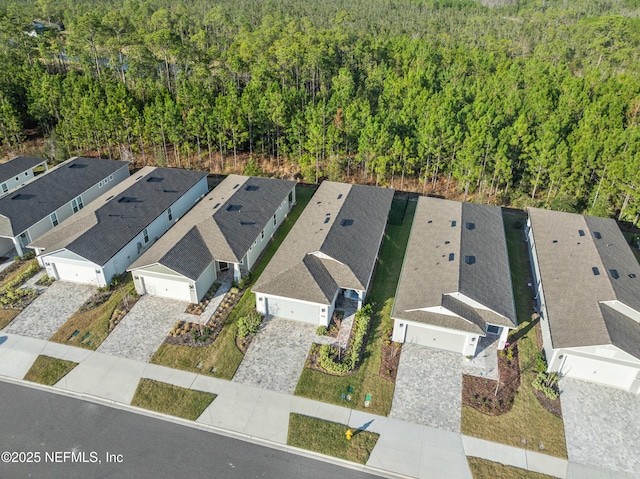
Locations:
column 44, row 316
column 601, row 425
column 428, row 388
column 144, row 328
column 276, row 356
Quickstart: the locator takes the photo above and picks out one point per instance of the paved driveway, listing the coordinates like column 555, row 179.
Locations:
column 428, row 388
column 44, row 316
column 601, row 425
column 144, row 328
column 276, row 356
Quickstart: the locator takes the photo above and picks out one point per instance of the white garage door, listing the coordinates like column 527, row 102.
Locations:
column 435, row 338
column 76, row 273
column 290, row 309
column 166, row 288
column 598, row 371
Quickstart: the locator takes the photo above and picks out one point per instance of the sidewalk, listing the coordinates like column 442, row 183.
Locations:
column 403, row 448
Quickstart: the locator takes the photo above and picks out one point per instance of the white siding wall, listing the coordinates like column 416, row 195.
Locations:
column 204, row 282
column 269, row 231
column 131, row 252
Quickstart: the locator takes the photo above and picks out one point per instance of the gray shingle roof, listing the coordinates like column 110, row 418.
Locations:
column 568, row 247
column 228, row 220
column 18, row 165
column 47, row 192
column 110, row 222
column 334, row 244
column 436, row 276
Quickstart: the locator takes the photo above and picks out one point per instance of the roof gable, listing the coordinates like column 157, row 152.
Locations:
column 18, row 165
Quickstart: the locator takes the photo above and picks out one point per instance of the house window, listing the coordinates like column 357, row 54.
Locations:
column 26, row 173
column 17, row 178
column 145, row 235
column 491, row 329
column 110, row 177
column 4, row 188
column 54, row 218
column 274, row 220
column 170, row 214
column 77, row 204
column 100, row 184
column 262, row 234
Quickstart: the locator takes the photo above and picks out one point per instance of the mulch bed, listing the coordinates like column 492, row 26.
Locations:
column 199, row 308
column 10, row 269
column 390, row 357
column 96, row 300
column 480, row 393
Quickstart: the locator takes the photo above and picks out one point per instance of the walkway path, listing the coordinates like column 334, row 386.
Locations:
column 403, row 448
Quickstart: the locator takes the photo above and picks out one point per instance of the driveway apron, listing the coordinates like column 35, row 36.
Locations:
column 144, row 328
column 44, row 316
column 276, row 356
column 428, row 388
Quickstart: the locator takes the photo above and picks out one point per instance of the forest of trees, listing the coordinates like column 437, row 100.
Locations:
column 518, row 102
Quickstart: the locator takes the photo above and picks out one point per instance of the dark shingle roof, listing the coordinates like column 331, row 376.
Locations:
column 569, row 247
column 435, row 276
column 48, row 192
column 228, row 220
column 334, row 244
column 18, row 165
column 118, row 216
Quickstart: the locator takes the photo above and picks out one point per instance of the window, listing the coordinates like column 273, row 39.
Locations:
column 26, row 173
column 54, row 218
column 145, row 235
column 595, row 270
column 100, row 184
column 4, row 188
column 77, row 204
column 170, row 214
column 581, row 232
column 274, row 220
column 110, row 177
column 453, row 223
column 491, row 329
column 262, row 234
column 451, row 256
column 17, row 178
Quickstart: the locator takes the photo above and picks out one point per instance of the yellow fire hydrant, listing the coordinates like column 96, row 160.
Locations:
column 348, row 434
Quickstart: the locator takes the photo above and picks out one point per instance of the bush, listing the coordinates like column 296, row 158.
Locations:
column 249, row 325
column 244, row 282
column 321, row 331
column 540, row 363
column 546, row 383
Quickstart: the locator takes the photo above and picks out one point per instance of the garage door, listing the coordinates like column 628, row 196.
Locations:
column 166, row 288
column 435, row 338
column 598, row 371
column 289, row 309
column 76, row 273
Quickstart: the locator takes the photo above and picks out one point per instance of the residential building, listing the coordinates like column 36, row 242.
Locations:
column 17, row 171
column 332, row 250
column 229, row 228
column 455, row 284
column 587, row 284
column 52, row 197
column 109, row 234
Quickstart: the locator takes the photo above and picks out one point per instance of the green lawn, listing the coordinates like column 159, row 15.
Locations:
column 170, row 399
column 367, row 380
column 93, row 325
column 483, row 469
column 528, row 424
column 222, row 354
column 329, row 438
column 47, row 370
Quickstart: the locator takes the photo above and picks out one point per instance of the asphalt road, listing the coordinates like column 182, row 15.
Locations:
column 71, row 438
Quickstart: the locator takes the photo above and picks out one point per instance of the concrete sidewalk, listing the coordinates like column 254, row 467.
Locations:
column 403, row 448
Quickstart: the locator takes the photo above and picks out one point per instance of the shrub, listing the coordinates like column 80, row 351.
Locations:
column 244, row 282
column 321, row 331
column 249, row 325
column 546, row 383
column 540, row 363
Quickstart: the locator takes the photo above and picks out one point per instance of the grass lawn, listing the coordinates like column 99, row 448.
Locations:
column 483, row 469
column 170, row 399
column 47, row 370
column 93, row 325
column 329, row 438
column 528, row 424
column 367, row 380
column 7, row 315
column 223, row 354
